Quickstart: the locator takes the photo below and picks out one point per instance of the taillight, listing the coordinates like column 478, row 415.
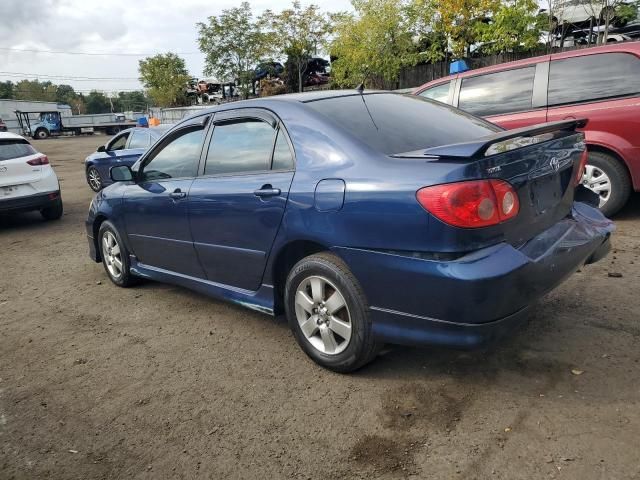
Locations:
column 43, row 160
column 472, row 204
column 581, row 166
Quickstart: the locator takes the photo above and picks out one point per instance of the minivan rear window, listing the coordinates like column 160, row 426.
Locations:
column 593, row 77
column 15, row 149
column 393, row 123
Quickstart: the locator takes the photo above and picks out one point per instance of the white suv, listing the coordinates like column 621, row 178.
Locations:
column 27, row 181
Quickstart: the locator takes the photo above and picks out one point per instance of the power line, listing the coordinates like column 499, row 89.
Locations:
column 59, row 52
column 63, row 77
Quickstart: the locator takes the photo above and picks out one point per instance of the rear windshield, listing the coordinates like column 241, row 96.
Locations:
column 15, row 149
column 393, row 123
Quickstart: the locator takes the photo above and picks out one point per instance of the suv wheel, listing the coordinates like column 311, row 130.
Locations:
column 328, row 313
column 115, row 256
column 53, row 212
column 609, row 179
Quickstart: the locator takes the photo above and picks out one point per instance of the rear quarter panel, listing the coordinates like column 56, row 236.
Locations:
column 613, row 124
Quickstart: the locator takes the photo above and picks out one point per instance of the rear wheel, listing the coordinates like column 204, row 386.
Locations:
column 114, row 254
column 53, row 212
column 328, row 313
column 607, row 177
column 94, row 179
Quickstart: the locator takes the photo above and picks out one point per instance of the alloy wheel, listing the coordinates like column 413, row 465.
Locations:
column 112, row 255
column 598, row 181
column 95, row 182
column 323, row 315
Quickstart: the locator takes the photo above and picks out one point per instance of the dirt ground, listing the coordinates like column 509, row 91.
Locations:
column 158, row 382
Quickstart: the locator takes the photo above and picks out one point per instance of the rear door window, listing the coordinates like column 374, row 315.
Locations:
column 439, row 93
column 499, row 92
column 139, row 140
column 593, row 77
column 15, row 149
column 240, row 146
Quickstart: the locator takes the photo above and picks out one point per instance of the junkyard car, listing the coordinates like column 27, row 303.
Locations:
column 367, row 217
column 123, row 149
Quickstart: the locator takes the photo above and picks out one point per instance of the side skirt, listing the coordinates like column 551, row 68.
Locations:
column 260, row 300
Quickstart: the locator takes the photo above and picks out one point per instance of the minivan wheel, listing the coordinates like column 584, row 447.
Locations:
column 328, row 313
column 606, row 176
column 94, row 179
column 115, row 256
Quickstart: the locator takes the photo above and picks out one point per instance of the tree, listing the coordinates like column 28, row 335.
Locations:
column 65, row 94
column 131, row 101
column 165, row 77
column 298, row 32
column 374, row 44
column 233, row 44
column 457, row 20
column 7, row 89
column 97, row 102
column 35, row 90
column 513, row 26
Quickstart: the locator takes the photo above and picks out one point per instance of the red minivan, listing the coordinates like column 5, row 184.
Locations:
column 601, row 84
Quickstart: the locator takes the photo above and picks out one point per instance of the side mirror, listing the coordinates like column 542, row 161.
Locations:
column 121, row 173
column 102, row 148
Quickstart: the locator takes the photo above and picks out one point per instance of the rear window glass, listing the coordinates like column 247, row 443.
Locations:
column 15, row 149
column 393, row 123
column 593, row 77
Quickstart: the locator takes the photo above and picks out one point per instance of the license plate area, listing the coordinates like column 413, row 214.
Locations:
column 546, row 192
column 6, row 191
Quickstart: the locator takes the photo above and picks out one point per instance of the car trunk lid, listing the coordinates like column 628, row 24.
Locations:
column 541, row 163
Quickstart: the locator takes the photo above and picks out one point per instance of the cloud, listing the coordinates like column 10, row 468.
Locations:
column 116, row 26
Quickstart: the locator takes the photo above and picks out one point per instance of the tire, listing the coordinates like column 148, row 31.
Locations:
column 605, row 175
column 41, row 134
column 121, row 275
column 54, row 212
column 315, row 323
column 94, row 179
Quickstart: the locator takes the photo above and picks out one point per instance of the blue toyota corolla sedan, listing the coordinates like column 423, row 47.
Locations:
column 367, row 217
column 124, row 148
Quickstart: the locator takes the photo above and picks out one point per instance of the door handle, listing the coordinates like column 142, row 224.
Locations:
column 177, row 194
column 267, row 191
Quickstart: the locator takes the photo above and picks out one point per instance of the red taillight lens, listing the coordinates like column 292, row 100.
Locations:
column 43, row 160
column 581, row 167
column 472, row 204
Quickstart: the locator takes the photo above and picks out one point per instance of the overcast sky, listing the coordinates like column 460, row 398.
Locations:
column 114, row 26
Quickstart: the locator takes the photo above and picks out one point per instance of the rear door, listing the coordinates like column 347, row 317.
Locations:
column 16, row 175
column 511, row 98
column 237, row 203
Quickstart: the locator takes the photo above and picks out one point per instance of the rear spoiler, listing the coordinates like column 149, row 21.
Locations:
column 483, row 145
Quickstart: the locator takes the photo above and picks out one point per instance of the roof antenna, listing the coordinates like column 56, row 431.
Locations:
column 360, row 88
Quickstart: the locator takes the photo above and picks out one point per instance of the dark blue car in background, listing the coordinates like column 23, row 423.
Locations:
column 366, row 217
column 123, row 149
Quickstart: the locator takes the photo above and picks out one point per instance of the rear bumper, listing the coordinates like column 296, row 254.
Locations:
column 480, row 296
column 31, row 202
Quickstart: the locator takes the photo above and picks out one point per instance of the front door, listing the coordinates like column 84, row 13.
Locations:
column 156, row 207
column 237, row 204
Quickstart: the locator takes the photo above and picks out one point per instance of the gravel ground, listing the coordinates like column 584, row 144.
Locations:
column 159, row 382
